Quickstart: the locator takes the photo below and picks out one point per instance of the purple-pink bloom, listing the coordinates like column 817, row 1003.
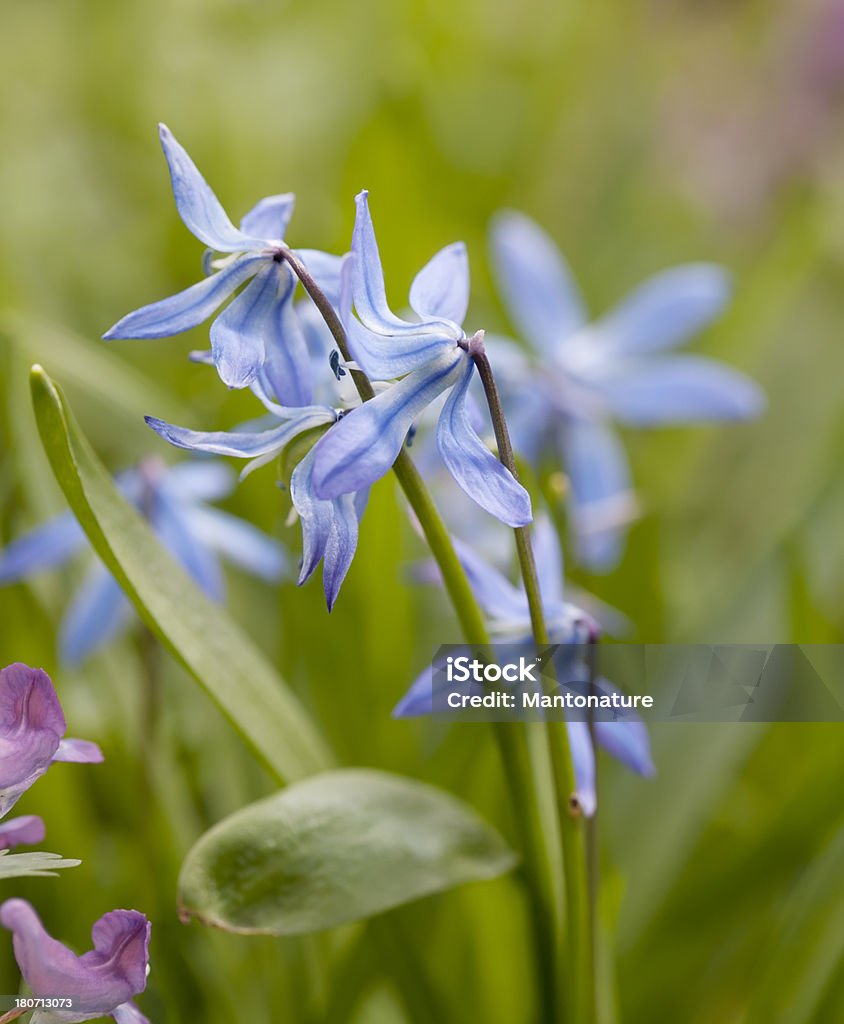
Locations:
column 101, row 982
column 32, row 727
column 23, row 831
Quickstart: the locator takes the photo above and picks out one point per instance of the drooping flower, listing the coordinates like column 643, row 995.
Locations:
column 173, row 499
column 32, row 728
column 258, row 332
column 506, row 608
column 582, row 377
column 430, row 355
column 26, row 830
column 102, row 982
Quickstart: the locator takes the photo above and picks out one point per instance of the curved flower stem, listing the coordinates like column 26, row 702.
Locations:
column 520, row 767
column 580, row 961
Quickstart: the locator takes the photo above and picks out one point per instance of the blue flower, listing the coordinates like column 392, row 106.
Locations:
column 173, row 499
column 588, row 375
column 506, row 608
column 430, row 355
column 257, row 333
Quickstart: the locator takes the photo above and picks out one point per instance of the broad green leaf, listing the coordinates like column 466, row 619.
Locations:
column 31, row 865
column 335, row 848
column 198, row 632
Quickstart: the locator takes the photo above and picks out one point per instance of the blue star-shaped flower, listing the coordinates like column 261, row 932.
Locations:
column 257, row 331
column 582, row 377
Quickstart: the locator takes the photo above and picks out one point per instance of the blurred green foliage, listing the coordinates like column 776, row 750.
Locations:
column 640, row 134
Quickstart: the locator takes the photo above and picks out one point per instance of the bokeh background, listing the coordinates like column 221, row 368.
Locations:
column 640, row 133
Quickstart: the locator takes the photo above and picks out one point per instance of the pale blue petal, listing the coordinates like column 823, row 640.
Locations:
column 385, row 357
column 98, row 612
column 472, row 464
column 583, row 759
column 681, row 389
column 541, row 294
column 428, row 690
column 602, row 496
column 243, row 445
column 173, row 527
column 368, row 283
column 666, row 310
column 549, row 561
column 494, row 592
column 45, row 547
column 238, row 541
column 240, row 333
column 441, row 288
column 361, row 447
column 287, row 365
column 202, row 480
column 188, row 308
column 628, row 741
column 128, row 1013
column 325, row 269
column 269, row 218
column 198, row 207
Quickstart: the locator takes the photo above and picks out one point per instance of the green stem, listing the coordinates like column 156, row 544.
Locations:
column 572, row 830
column 520, row 768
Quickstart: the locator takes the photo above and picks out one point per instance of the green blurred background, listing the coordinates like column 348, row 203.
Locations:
column 641, row 133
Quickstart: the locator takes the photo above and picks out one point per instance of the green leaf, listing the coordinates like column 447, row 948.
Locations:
column 198, row 632
column 31, row 865
column 335, row 848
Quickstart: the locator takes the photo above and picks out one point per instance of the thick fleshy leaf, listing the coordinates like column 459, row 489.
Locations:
column 97, row 613
column 583, row 760
column 361, row 447
column 472, row 464
column 201, row 636
column 386, row 357
column 336, row 848
column 45, row 547
column 604, row 503
column 243, row 445
column 368, row 291
column 186, row 309
column 240, row 333
column 441, row 288
column 541, row 294
column 268, row 219
column 198, row 207
column 238, row 541
column 681, row 389
column 666, row 310
column 24, row 831
column 287, row 365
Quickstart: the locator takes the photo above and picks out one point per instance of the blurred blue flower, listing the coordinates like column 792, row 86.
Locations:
column 173, row 499
column 584, row 376
column 329, row 527
column 101, row 982
column 430, row 355
column 258, row 332
column 506, row 608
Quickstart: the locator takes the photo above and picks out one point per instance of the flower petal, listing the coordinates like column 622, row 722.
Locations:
column 325, row 269
column 268, row 219
column 628, row 741
column 368, row 291
column 541, row 295
column 472, row 464
column 361, row 447
column 173, row 527
column 287, row 366
column 385, row 357
column 45, row 547
column 499, row 598
column 79, row 752
column 244, row 445
column 441, row 288
column 583, row 759
column 128, row 1013
column 188, row 308
column 666, row 310
column 681, row 389
column 198, row 480
column 198, row 207
column 603, row 501
column 98, row 612
column 428, row 692
column 238, row 541
column 24, row 831
column 549, row 561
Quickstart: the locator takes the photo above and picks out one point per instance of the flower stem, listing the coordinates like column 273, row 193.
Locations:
column 520, row 767
column 580, row 960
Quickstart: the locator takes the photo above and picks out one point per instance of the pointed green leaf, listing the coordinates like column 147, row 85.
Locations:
column 198, row 632
column 335, row 848
column 32, row 865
